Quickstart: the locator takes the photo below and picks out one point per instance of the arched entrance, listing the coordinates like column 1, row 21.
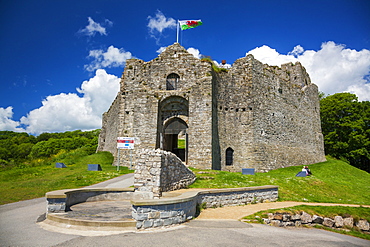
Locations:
column 172, row 128
column 175, row 137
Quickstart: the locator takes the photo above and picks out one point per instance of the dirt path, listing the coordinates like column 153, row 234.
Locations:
column 239, row 212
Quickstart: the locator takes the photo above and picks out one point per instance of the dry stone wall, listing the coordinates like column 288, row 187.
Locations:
column 158, row 171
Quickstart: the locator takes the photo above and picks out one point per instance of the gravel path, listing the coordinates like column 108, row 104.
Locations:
column 238, row 212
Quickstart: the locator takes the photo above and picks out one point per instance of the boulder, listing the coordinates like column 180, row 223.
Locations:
column 363, row 225
column 328, row 222
column 317, row 219
column 270, row 216
column 295, row 217
column 277, row 223
column 289, row 223
column 286, row 217
column 306, row 218
column 348, row 222
column 278, row 216
column 338, row 221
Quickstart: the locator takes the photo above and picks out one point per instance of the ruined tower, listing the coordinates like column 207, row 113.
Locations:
column 249, row 116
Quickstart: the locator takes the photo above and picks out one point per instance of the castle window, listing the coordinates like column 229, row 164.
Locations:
column 172, row 81
column 229, row 156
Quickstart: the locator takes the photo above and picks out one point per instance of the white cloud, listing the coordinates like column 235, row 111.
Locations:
column 265, row 54
column 64, row 112
column 194, row 52
column 94, row 27
column 160, row 22
column 6, row 122
column 298, row 50
column 113, row 57
column 333, row 68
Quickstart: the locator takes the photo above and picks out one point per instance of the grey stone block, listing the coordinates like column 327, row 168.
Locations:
column 147, row 223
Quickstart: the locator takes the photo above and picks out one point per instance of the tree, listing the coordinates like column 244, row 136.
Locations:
column 345, row 125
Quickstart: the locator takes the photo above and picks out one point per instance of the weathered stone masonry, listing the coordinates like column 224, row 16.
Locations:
column 252, row 116
column 155, row 213
column 159, row 171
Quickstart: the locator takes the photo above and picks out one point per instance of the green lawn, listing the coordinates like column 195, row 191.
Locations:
column 181, row 143
column 332, row 181
column 33, row 180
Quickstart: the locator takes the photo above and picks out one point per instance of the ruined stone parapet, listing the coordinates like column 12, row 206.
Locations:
column 158, row 171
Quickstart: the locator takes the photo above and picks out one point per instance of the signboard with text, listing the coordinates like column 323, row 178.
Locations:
column 125, row 142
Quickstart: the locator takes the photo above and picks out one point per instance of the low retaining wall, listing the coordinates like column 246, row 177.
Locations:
column 60, row 201
column 164, row 211
column 169, row 211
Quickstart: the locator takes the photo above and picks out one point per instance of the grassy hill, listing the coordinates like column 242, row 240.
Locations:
column 34, row 178
column 332, row 181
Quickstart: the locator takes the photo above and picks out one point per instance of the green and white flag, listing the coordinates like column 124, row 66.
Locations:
column 189, row 24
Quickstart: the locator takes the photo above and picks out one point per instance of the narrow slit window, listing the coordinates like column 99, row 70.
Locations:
column 229, row 156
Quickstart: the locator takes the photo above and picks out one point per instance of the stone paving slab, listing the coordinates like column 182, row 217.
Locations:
column 101, row 211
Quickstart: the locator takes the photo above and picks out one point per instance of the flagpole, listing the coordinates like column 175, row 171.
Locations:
column 177, row 35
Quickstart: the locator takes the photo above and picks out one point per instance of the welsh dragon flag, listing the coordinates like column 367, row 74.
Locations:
column 190, row 24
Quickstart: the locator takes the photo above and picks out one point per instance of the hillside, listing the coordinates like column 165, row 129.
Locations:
column 332, row 181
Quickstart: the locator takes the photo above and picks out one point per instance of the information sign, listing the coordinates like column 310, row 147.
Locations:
column 125, row 142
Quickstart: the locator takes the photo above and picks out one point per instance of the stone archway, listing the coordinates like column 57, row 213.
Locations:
column 175, row 129
column 173, row 115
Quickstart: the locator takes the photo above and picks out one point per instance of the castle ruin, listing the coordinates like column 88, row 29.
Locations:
column 251, row 115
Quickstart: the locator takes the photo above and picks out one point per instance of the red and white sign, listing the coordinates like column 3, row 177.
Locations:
column 125, row 142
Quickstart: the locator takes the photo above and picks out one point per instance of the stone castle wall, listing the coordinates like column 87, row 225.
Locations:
column 268, row 116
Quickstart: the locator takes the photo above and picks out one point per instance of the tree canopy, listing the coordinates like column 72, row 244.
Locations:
column 16, row 147
column 345, row 125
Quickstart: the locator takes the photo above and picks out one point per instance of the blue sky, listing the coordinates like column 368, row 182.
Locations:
column 61, row 60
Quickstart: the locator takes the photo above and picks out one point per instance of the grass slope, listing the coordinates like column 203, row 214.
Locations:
column 332, row 181
column 33, row 180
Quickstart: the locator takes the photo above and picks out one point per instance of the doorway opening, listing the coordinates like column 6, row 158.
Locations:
column 175, row 137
